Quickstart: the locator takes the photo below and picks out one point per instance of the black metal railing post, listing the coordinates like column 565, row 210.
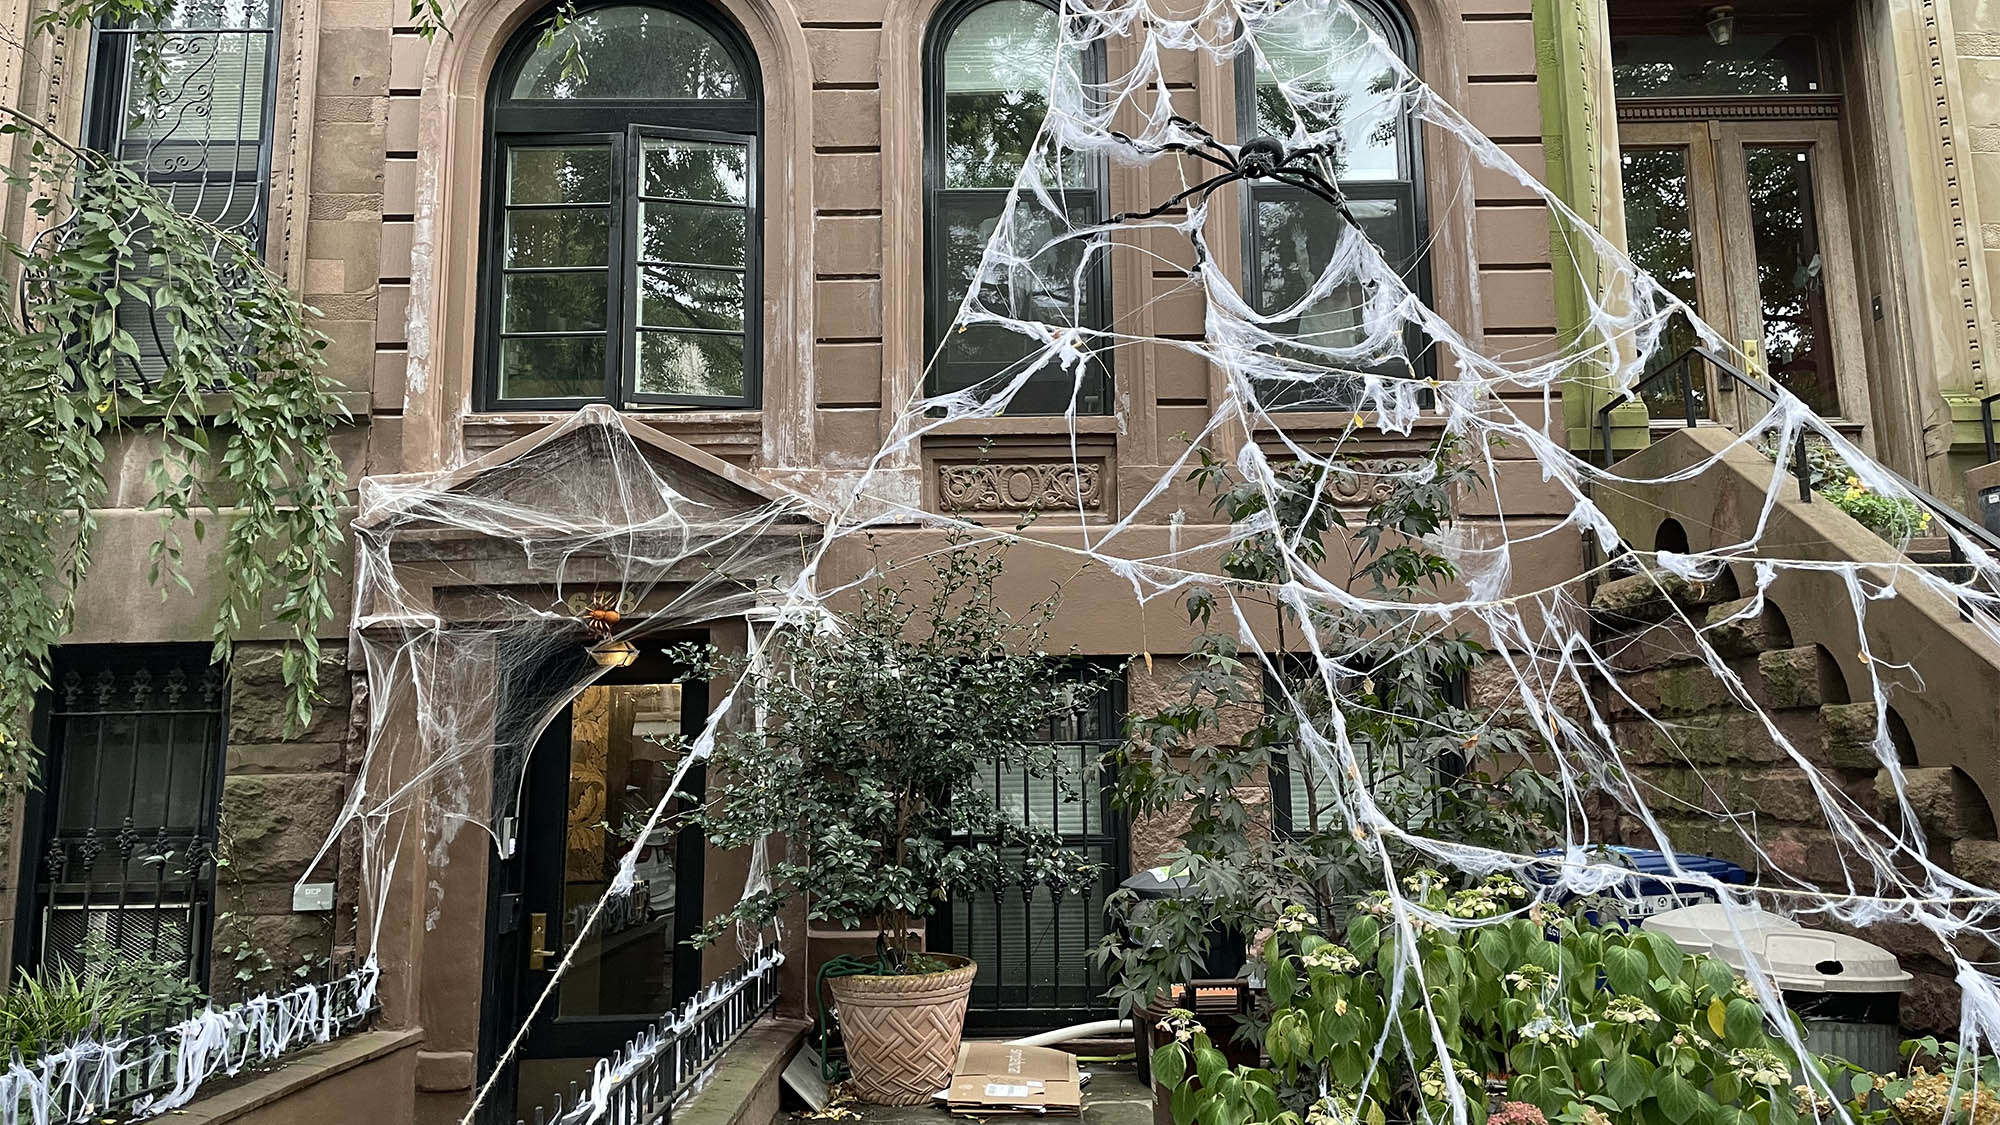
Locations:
column 1986, row 425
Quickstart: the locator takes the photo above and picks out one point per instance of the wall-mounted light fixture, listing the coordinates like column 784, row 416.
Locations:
column 614, row 654
column 1722, row 24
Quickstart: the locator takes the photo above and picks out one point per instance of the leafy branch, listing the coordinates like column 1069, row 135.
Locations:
column 230, row 395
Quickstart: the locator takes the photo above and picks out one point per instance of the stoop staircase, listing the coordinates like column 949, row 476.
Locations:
column 1702, row 756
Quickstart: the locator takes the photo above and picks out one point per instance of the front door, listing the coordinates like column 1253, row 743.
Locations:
column 1746, row 221
column 595, row 775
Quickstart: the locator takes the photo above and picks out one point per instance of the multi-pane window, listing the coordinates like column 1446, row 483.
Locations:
column 186, row 102
column 127, row 811
column 1327, row 71
column 621, row 254
column 991, row 65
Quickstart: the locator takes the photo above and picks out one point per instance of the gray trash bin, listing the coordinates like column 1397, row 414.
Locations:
column 1848, row 991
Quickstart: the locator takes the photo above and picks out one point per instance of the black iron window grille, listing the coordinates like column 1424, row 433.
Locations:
column 642, row 1083
column 1034, row 948
column 1304, row 795
column 127, row 813
column 187, row 103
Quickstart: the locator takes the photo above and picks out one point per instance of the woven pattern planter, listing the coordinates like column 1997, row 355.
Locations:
column 902, row 1033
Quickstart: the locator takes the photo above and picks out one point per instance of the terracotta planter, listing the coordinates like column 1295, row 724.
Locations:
column 902, row 1032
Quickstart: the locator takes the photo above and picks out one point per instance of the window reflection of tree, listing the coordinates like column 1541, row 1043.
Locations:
column 1790, row 278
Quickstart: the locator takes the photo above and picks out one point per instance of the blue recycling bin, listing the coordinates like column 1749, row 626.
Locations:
column 1644, row 893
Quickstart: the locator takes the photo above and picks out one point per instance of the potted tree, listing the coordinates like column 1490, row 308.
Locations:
column 878, row 733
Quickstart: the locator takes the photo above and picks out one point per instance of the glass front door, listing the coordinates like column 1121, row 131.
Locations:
column 596, row 774
column 1746, row 222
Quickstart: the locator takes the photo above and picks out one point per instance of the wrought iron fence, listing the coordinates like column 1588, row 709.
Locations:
column 661, row 1066
column 136, row 1073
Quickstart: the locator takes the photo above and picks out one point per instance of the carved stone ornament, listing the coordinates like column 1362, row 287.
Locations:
column 1054, row 485
column 1369, row 482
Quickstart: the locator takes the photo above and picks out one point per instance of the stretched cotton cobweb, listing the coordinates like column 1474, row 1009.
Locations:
column 585, row 512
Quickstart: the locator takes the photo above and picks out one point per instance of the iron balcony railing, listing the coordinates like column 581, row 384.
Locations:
column 1681, row 369
column 657, row 1069
column 132, row 1074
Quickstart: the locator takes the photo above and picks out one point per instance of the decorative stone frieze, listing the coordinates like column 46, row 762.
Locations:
column 1019, row 486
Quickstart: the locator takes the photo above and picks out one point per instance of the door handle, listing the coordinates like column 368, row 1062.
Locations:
column 538, row 940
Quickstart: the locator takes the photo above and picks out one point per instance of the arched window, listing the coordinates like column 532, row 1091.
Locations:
column 986, row 82
column 622, row 187
column 1315, row 66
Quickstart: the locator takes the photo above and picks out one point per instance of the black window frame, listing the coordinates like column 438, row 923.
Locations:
column 49, row 858
column 1409, row 195
column 939, row 310
column 620, row 124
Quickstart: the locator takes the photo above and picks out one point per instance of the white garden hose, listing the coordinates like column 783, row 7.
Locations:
column 1094, row 1030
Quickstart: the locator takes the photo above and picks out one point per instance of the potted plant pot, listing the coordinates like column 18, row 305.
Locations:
column 902, row 1032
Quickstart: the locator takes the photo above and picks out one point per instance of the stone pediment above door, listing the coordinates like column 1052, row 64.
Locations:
column 594, row 473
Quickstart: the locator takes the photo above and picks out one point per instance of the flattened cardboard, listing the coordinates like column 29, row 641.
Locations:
column 1000, row 1078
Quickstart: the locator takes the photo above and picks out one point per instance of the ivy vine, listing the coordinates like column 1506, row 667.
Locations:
column 232, row 400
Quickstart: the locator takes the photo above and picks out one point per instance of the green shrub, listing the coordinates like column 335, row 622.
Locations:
column 59, row 1004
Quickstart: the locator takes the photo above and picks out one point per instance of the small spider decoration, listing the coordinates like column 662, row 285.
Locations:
column 601, row 614
column 1259, row 158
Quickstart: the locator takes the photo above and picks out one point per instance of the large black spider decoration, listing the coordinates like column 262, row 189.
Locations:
column 1259, row 158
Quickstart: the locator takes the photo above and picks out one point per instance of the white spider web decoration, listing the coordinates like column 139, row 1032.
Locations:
column 587, row 508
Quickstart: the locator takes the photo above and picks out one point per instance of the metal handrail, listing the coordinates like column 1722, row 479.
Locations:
column 1680, row 366
column 1986, row 425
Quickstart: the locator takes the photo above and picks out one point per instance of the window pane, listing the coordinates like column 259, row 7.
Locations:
column 1791, row 277
column 1043, row 290
column 635, row 53
column 1659, row 233
column 567, row 237
column 696, row 170
column 579, row 174
column 1684, row 66
column 674, row 363
column 552, row 302
column 691, row 233
column 683, row 298
column 997, row 69
column 1295, row 239
column 558, row 367
column 1320, row 68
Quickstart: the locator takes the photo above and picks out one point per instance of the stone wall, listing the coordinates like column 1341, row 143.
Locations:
column 280, row 799
column 1701, row 755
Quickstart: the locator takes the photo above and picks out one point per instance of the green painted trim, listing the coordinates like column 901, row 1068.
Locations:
column 1565, row 47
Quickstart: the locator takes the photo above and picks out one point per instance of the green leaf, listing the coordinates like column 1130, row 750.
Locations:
column 1743, row 1023
column 1678, row 1098
column 1627, row 1078
column 1625, row 967
column 1169, row 1064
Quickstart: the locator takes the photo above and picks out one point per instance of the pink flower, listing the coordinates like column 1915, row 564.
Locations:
column 1517, row 1113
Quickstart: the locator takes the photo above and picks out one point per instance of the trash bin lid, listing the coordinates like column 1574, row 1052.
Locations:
column 1159, row 882
column 1797, row 959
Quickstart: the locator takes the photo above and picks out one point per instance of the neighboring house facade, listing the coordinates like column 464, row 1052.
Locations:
column 743, row 228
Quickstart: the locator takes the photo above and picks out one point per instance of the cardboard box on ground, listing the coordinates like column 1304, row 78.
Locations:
column 1001, row 1078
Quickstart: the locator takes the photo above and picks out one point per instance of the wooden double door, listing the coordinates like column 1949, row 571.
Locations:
column 1747, row 222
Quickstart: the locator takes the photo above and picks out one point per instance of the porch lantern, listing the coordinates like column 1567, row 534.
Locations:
column 614, row 654
column 1722, row 25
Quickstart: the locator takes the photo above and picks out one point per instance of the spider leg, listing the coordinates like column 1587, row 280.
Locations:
column 1201, row 188
column 1318, row 186
column 1206, row 146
